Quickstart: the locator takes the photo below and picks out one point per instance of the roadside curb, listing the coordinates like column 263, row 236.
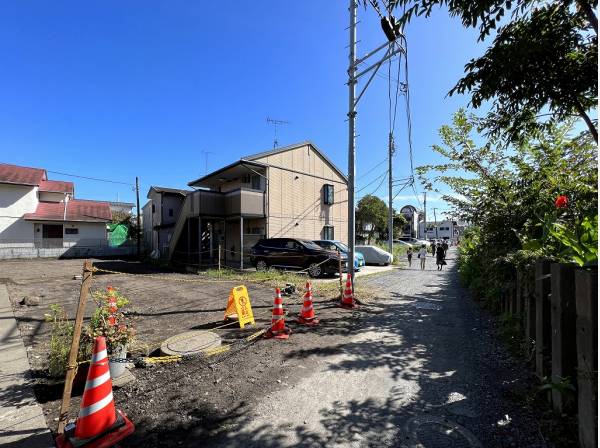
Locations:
column 22, row 422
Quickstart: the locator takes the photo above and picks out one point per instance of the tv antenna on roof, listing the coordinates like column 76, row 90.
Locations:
column 275, row 123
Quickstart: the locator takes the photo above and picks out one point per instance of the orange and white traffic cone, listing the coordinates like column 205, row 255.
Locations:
column 278, row 330
column 99, row 425
column 307, row 313
column 348, row 297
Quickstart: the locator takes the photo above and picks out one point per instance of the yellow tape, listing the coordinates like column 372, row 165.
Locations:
column 158, row 277
column 163, row 359
column 207, row 353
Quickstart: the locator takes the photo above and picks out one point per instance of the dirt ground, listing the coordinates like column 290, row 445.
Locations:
column 166, row 399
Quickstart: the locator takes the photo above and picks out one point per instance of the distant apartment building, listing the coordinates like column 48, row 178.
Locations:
column 446, row 229
column 293, row 191
column 42, row 218
column 413, row 218
column 159, row 217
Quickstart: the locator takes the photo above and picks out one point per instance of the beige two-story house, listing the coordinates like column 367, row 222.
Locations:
column 293, row 191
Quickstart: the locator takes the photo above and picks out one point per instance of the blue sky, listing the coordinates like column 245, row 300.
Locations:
column 115, row 90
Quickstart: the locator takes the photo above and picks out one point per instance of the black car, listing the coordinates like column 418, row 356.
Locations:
column 294, row 253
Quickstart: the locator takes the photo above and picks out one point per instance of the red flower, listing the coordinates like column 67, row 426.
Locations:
column 112, row 321
column 561, row 202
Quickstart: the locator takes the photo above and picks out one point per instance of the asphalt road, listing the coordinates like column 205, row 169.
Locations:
column 422, row 369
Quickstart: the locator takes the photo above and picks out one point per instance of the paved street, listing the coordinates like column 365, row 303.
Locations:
column 421, row 370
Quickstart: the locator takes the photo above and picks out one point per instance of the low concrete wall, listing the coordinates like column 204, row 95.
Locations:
column 7, row 253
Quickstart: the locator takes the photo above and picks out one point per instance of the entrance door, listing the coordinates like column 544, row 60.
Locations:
column 52, row 235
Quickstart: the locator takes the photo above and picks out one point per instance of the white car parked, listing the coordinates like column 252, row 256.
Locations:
column 375, row 255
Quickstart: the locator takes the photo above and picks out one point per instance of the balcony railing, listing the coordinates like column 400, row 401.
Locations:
column 237, row 202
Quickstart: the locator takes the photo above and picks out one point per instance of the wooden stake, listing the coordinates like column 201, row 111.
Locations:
column 340, row 271
column 219, row 258
column 72, row 360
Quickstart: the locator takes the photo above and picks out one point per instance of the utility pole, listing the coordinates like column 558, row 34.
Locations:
column 435, row 222
column 390, row 209
column 138, row 220
column 425, row 214
column 392, row 32
column 351, row 137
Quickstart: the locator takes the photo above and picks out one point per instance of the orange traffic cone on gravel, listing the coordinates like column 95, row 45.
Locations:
column 278, row 330
column 348, row 297
column 99, row 425
column 307, row 313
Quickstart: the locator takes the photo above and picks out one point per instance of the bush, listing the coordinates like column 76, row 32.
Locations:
column 109, row 321
column 60, row 342
column 399, row 251
column 525, row 200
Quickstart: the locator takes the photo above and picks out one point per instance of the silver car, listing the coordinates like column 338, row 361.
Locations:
column 375, row 255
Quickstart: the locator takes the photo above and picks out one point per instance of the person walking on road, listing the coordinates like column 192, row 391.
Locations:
column 409, row 253
column 445, row 247
column 440, row 255
column 433, row 246
column 422, row 256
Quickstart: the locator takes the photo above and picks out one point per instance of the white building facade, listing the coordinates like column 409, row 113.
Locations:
column 42, row 218
column 446, row 230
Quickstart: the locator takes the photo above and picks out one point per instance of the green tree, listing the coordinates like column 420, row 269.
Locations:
column 399, row 222
column 371, row 214
column 508, row 192
column 543, row 61
column 121, row 217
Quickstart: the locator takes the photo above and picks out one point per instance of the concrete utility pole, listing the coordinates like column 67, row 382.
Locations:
column 425, row 215
column 391, row 50
column 351, row 137
column 390, row 208
column 435, row 222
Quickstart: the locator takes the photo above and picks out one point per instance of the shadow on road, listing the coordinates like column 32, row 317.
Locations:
column 467, row 387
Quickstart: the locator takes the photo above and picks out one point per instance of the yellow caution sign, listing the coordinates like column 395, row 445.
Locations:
column 238, row 306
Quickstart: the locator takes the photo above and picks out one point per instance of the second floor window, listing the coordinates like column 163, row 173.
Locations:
column 328, row 194
column 255, row 182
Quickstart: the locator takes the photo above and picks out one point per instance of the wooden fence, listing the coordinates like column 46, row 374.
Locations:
column 557, row 305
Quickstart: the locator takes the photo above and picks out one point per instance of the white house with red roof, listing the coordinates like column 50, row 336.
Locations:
column 42, row 217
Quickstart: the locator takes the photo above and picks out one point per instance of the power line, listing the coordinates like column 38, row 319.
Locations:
column 409, row 182
column 86, row 177
column 380, row 177
column 91, row 178
column 408, row 113
column 374, row 167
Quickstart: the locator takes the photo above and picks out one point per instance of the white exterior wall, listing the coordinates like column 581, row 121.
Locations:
column 174, row 202
column 46, row 196
column 90, row 234
column 15, row 201
column 446, row 229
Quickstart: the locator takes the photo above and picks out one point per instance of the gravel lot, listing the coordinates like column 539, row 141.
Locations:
column 419, row 364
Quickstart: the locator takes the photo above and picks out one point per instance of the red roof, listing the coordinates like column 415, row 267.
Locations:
column 77, row 210
column 56, row 186
column 21, row 175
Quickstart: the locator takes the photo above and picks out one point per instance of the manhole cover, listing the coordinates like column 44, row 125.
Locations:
column 426, row 306
column 434, row 432
column 190, row 342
